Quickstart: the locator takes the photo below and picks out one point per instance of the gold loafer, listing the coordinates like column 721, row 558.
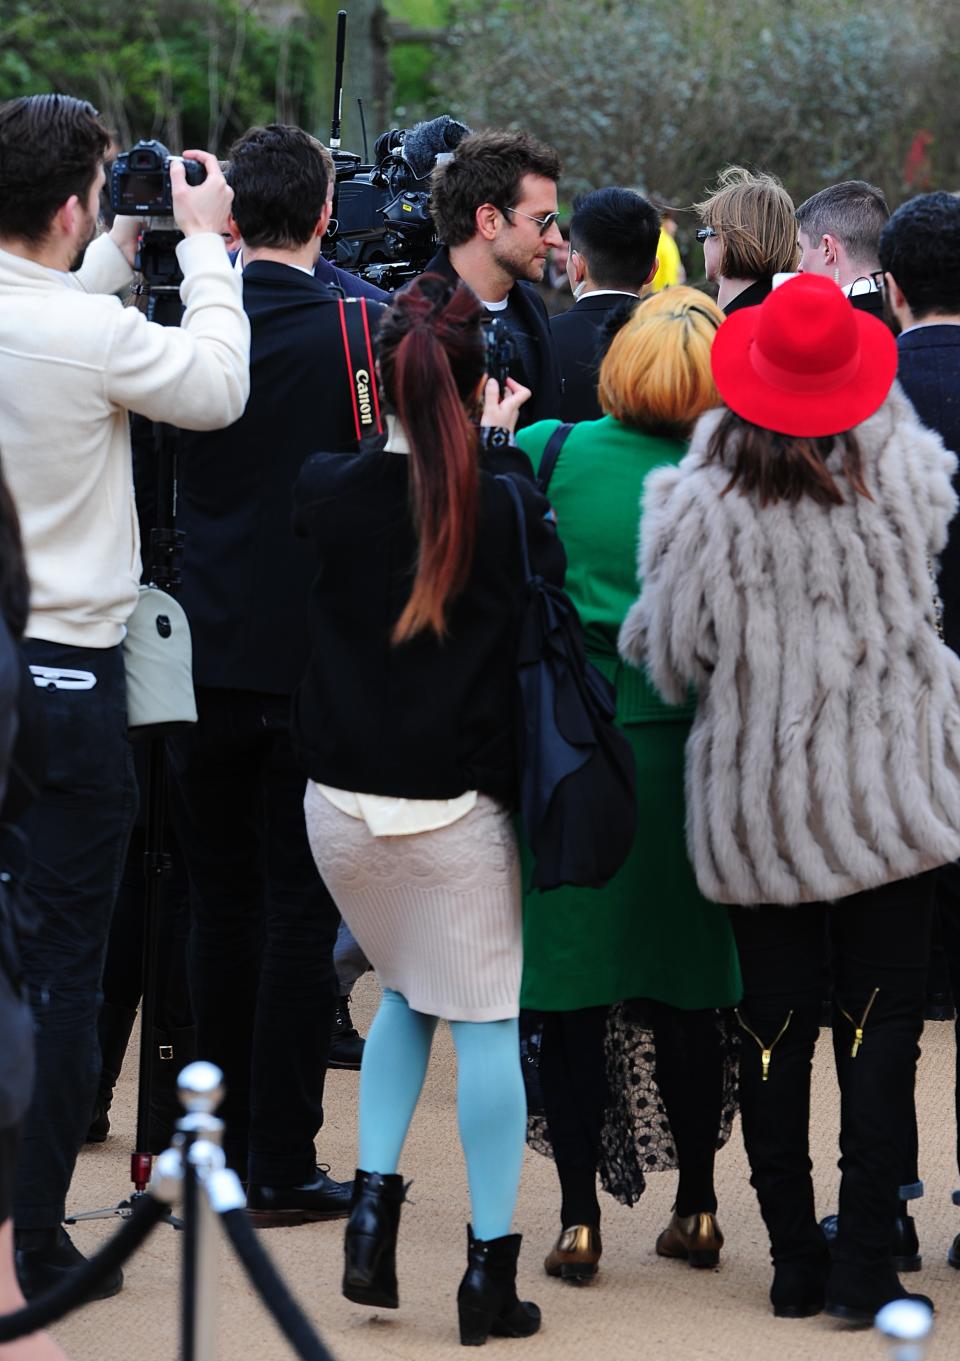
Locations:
column 697, row 1238
column 575, row 1254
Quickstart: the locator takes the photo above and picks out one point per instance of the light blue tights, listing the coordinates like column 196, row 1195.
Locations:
column 491, row 1103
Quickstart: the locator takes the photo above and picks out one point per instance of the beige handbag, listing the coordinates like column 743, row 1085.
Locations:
column 158, row 657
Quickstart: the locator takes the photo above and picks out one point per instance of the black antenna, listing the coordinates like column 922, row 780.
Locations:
column 338, row 81
column 363, row 128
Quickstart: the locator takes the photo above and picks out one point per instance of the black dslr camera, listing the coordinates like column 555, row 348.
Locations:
column 140, row 181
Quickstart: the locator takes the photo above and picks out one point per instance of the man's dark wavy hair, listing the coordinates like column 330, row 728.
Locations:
column 279, row 175
column 486, row 167
column 920, row 247
column 51, row 147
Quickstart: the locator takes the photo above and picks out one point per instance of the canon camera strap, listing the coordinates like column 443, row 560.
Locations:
column 358, row 350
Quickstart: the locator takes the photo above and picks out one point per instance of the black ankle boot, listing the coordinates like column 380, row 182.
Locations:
column 487, row 1299
column 370, row 1243
column 799, row 1286
column 855, row 1295
column 114, row 1025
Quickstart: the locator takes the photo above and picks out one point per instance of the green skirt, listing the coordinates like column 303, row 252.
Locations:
column 649, row 932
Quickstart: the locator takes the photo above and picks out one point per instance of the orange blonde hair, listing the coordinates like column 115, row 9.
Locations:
column 656, row 374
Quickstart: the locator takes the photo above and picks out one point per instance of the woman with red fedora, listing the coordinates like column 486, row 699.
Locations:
column 786, row 569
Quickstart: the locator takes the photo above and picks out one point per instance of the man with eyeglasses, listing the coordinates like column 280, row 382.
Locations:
column 494, row 205
column 613, row 254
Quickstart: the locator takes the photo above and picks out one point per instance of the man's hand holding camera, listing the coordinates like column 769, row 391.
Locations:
column 196, row 207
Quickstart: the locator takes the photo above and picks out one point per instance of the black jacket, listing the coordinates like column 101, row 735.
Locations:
column 544, row 405
column 353, row 286
column 929, row 373
column 427, row 719
column 752, row 296
column 246, row 577
column 577, row 336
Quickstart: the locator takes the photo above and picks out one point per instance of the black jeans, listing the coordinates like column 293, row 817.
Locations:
column 261, row 945
column 78, row 831
column 880, row 946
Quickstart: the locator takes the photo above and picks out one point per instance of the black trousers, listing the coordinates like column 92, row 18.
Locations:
column 948, row 912
column 261, row 945
column 78, row 832
column 573, row 1085
column 880, row 946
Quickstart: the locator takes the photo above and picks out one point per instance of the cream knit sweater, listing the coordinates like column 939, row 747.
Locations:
column 73, row 364
column 825, row 754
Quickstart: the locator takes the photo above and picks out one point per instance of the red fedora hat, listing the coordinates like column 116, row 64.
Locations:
column 805, row 362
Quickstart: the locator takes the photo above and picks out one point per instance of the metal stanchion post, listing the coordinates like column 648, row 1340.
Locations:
column 199, row 1138
column 906, row 1324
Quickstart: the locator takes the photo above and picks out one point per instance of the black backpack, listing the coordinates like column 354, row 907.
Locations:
column 577, row 774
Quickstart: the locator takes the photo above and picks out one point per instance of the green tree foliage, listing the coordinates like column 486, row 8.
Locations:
column 192, row 72
column 662, row 95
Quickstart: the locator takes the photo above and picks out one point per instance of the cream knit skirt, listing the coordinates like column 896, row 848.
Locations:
column 436, row 913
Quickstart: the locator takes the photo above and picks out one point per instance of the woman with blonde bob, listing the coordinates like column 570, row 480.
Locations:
column 648, row 934
column 749, row 233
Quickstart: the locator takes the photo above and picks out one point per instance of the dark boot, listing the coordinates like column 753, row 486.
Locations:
column 906, row 1245
column 114, row 1025
column 46, row 1258
column 172, row 1051
column 487, row 1299
column 775, row 1063
column 346, row 1042
column 370, row 1243
column 876, row 1048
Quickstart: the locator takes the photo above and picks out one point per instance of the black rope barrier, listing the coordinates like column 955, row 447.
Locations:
column 272, row 1289
column 82, row 1284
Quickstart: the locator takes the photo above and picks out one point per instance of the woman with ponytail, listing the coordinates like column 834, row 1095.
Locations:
column 406, row 725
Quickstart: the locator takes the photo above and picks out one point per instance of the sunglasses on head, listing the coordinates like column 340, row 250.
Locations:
column 704, row 232
column 544, row 223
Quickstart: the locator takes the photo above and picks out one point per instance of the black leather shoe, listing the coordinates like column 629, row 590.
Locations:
column 953, row 1253
column 323, row 1198
column 905, row 1248
column 346, row 1042
column 46, row 1257
column 861, row 1313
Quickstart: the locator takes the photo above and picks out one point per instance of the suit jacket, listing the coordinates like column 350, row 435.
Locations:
column 353, row 286
column 577, row 336
column 929, row 373
column 246, row 578
column 547, row 395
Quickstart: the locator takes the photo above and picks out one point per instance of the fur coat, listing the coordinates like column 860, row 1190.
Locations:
column 825, row 755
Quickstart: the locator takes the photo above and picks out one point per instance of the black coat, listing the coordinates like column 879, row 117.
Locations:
column 577, row 336
column 427, row 719
column 752, row 296
column 352, row 285
column 545, row 403
column 929, row 373
column 246, row 578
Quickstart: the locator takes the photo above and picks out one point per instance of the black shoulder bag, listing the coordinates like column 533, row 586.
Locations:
column 577, row 775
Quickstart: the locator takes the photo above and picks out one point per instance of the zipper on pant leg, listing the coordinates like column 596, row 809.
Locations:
column 766, row 1051
column 858, row 1029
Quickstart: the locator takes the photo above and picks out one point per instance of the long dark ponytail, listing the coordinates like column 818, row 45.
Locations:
column 431, row 360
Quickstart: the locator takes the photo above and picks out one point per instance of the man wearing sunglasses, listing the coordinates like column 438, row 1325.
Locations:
column 494, row 205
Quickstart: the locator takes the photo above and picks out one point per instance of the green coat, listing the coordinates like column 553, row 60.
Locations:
column 648, row 933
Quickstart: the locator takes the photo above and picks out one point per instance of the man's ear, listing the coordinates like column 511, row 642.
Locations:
column 653, row 269
column 324, row 219
column 897, row 299
column 65, row 219
column 487, row 221
column 231, row 234
column 830, row 247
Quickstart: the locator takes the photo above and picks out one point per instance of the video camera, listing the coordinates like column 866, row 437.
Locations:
column 140, row 180
column 381, row 227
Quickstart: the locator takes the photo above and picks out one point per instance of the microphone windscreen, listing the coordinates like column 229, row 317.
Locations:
column 424, row 142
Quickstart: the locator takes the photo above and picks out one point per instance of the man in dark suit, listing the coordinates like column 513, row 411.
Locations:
column 264, row 925
column 838, row 233
column 613, row 253
column 494, row 205
column 919, row 253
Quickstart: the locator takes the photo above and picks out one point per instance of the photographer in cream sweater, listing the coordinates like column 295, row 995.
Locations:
column 73, row 364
